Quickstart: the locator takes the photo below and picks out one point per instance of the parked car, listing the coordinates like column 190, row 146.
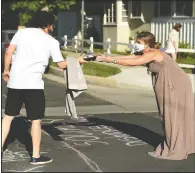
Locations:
column 7, row 35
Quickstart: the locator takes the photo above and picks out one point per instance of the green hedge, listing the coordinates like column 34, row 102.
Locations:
column 185, row 54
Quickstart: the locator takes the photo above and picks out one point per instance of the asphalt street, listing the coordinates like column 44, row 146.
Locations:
column 109, row 142
column 55, row 96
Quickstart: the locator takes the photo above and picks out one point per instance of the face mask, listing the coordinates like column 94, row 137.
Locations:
column 138, row 47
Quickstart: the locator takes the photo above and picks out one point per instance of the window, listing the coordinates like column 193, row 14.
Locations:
column 125, row 11
column 173, row 8
column 183, row 7
column 156, row 9
column 136, row 8
column 162, row 8
column 165, row 8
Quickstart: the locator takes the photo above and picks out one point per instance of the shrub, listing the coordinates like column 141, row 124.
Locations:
column 185, row 54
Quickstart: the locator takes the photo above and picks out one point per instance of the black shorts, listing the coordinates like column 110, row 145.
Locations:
column 33, row 99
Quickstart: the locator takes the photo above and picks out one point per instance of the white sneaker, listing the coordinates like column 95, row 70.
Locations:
column 79, row 119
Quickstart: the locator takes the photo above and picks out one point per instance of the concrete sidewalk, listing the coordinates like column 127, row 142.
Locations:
column 137, row 77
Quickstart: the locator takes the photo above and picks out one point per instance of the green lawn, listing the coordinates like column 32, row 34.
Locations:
column 100, row 70
column 94, row 69
column 189, row 60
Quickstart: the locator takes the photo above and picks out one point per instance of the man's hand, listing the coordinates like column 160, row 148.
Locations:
column 6, row 76
column 81, row 59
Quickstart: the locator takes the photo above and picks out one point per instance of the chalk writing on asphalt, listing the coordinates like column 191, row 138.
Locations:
column 50, row 121
column 129, row 140
column 21, row 155
column 11, row 156
column 86, row 137
column 79, row 136
column 33, row 169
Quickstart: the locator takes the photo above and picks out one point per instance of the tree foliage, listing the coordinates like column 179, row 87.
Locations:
column 27, row 8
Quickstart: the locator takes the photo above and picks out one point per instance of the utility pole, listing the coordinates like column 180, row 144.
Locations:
column 82, row 24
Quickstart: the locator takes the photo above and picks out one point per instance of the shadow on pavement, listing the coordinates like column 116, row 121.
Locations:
column 52, row 131
column 133, row 130
column 20, row 131
column 137, row 131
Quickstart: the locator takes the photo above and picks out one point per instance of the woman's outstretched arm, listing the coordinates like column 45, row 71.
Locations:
column 145, row 58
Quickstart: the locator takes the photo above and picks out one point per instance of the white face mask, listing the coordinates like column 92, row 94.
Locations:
column 138, row 47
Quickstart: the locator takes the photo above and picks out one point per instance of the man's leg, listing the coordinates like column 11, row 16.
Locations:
column 12, row 108
column 36, row 137
column 35, row 107
column 6, row 123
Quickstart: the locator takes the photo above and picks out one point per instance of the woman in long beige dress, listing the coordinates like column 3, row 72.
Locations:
column 174, row 96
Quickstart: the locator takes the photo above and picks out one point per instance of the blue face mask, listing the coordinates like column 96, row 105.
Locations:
column 138, row 47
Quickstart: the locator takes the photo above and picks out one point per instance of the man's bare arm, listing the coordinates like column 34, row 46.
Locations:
column 8, row 57
column 62, row 64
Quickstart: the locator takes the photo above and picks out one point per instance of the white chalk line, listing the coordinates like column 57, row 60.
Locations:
column 16, row 160
column 33, row 168
column 87, row 160
column 28, row 170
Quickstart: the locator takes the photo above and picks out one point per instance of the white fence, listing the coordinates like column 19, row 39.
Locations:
column 107, row 46
column 161, row 28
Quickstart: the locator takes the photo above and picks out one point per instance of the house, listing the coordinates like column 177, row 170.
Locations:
column 121, row 20
column 124, row 18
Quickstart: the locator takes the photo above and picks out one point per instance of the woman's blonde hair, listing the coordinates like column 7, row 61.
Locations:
column 157, row 45
column 148, row 38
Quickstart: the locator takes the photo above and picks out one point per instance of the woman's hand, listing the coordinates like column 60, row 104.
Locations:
column 103, row 58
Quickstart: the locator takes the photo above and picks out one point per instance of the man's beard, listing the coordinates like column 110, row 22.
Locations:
column 50, row 32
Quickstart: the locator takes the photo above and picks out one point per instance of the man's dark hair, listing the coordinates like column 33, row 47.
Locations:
column 42, row 19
